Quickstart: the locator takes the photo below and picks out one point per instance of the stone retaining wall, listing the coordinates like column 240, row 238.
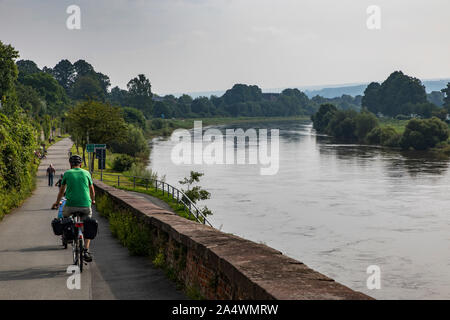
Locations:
column 218, row 265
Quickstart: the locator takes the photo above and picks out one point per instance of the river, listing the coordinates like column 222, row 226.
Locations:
column 337, row 208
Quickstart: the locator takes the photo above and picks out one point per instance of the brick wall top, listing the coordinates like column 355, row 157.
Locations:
column 261, row 271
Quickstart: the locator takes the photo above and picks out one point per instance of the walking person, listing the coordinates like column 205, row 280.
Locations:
column 50, row 173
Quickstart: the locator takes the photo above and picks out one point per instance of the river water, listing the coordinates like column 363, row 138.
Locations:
column 337, row 208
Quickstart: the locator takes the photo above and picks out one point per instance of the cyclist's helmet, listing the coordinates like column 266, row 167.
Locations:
column 75, row 160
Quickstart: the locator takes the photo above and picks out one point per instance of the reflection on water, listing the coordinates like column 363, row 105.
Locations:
column 338, row 208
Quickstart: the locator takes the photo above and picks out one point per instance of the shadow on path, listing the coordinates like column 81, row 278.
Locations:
column 33, row 273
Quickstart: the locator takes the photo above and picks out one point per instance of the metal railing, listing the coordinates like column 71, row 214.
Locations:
column 175, row 193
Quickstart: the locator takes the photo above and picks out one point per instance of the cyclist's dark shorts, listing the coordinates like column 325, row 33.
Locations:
column 85, row 212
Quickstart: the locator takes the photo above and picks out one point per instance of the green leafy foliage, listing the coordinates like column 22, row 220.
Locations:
column 17, row 138
column 365, row 122
column 146, row 176
column 424, row 134
column 385, row 136
column 8, row 69
column 322, row 118
column 101, row 122
column 133, row 143
column 49, row 89
column 122, row 162
column 446, row 99
column 195, row 193
column 17, row 167
column 135, row 117
column 342, row 126
column 398, row 94
column 131, row 232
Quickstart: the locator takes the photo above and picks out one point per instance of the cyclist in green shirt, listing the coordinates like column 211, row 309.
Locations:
column 79, row 189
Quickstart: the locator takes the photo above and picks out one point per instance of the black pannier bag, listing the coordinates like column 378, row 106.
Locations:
column 69, row 229
column 57, row 227
column 90, row 228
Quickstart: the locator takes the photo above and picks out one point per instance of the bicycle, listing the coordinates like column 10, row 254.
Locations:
column 78, row 242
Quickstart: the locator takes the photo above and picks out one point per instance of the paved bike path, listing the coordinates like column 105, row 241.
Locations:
column 33, row 264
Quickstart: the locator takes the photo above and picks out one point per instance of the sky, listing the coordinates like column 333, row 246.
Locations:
column 207, row 45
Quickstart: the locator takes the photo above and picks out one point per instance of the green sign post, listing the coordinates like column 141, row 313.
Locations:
column 100, row 151
column 91, row 147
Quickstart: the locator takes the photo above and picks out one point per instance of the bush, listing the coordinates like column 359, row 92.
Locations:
column 343, row 125
column 157, row 124
column 135, row 117
column 103, row 205
column 125, row 227
column 17, row 167
column 122, row 162
column 134, row 144
column 146, row 175
column 386, row 136
column 365, row 122
column 424, row 134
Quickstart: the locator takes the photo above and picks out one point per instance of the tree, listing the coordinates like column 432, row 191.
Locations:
column 436, row 98
column 26, row 67
column 99, row 122
column 104, row 81
column 161, row 110
column 424, row 134
column 323, row 116
column 293, row 102
column 342, row 125
column 133, row 144
column 371, row 98
column 202, row 106
column 83, row 68
column 134, row 116
column 30, row 100
column 64, row 72
column 183, row 106
column 365, row 122
column 391, row 97
column 446, row 91
column 8, row 69
column 118, row 97
column 242, row 93
column 87, row 87
column 425, row 109
column 140, row 94
column 49, row 89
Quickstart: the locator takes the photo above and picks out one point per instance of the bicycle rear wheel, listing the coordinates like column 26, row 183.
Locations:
column 75, row 252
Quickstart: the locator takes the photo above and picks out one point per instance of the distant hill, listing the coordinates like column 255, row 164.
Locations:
column 354, row 90
column 330, row 91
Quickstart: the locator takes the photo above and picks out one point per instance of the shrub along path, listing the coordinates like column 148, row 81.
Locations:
column 33, row 264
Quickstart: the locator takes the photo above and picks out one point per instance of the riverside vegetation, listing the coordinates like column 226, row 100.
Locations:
column 398, row 95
